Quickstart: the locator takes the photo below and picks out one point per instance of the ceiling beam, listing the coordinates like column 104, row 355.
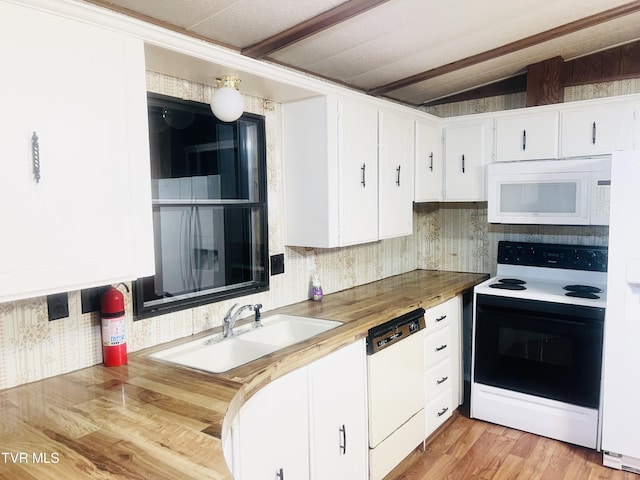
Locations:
column 527, row 42
column 310, row 27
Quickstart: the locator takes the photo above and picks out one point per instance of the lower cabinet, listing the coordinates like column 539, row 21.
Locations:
column 308, row 424
column 443, row 363
column 272, row 436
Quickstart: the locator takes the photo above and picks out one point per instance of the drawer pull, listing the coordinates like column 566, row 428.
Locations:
column 35, row 156
column 443, row 411
column 442, row 380
column 343, row 440
column 441, row 347
column 439, row 319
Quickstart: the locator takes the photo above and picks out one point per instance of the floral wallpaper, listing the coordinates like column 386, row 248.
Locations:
column 447, row 236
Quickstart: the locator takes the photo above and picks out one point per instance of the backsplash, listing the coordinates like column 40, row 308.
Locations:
column 447, row 236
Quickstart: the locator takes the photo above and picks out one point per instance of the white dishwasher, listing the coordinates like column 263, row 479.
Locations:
column 395, row 363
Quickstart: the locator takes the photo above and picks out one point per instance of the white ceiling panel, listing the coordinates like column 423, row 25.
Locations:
column 395, row 40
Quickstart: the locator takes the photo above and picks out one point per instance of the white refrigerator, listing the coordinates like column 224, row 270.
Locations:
column 621, row 368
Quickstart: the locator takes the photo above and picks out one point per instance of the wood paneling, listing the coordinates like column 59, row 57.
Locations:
column 545, row 84
column 617, row 63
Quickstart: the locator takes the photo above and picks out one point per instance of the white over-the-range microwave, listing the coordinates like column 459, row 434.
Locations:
column 558, row 192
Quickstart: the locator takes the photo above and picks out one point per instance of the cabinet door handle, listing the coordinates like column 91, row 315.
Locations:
column 35, row 156
column 398, row 176
column 343, row 440
column 363, row 169
column 443, row 411
column 439, row 319
column 463, row 163
column 280, row 474
column 442, row 380
column 431, row 161
column 441, row 347
column 593, row 134
column 524, row 140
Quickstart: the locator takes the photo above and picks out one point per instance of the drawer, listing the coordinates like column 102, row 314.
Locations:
column 441, row 315
column 438, row 379
column 437, row 347
column 438, row 410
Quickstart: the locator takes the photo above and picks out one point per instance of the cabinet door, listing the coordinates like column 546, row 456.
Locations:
column 596, row 131
column 73, row 226
column 358, row 154
column 273, row 431
column 428, row 163
column 527, row 137
column 338, row 421
column 396, row 175
column 466, row 152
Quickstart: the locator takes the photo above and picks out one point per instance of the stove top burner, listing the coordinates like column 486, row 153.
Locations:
column 512, row 281
column 508, row 286
column 583, row 288
column 582, row 294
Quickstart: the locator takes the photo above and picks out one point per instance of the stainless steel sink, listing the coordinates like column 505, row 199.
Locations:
column 216, row 354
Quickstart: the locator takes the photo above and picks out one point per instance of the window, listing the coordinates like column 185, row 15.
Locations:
column 209, row 207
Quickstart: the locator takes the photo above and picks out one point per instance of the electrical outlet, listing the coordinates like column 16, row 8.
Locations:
column 58, row 306
column 90, row 299
column 277, row 264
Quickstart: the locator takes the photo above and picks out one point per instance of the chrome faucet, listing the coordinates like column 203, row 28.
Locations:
column 230, row 318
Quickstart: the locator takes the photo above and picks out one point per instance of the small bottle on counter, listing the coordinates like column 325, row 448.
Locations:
column 316, row 288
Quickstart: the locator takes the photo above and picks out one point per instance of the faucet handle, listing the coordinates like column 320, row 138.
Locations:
column 227, row 316
column 256, row 309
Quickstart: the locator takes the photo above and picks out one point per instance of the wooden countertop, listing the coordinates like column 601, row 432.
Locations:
column 153, row 420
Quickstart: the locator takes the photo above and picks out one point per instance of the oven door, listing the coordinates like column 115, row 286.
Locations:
column 543, row 349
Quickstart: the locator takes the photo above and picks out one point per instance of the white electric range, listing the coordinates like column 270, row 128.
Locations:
column 537, row 341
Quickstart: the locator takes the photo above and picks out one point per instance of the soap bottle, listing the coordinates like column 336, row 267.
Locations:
column 316, row 288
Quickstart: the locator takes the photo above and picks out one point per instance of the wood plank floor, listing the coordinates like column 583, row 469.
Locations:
column 468, row 449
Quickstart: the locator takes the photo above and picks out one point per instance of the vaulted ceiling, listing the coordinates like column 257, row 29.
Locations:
column 413, row 51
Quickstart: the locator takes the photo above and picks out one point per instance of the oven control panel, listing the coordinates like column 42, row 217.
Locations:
column 575, row 257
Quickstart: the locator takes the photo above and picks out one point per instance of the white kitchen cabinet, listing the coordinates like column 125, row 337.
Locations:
column 443, row 362
column 86, row 220
column 309, row 424
column 341, row 186
column 468, row 148
column 428, row 162
column 527, row 136
column 596, row 130
column 395, row 171
column 273, row 431
column 330, row 172
column 338, row 420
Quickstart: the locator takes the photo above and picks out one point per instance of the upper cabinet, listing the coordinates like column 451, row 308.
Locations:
column 596, row 130
column 74, row 177
column 428, row 162
column 330, row 172
column 396, row 172
column 343, row 157
column 527, row 136
column 468, row 148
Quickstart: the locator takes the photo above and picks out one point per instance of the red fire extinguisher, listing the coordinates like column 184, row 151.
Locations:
column 114, row 346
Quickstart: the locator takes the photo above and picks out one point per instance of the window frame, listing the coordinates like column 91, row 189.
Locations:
column 141, row 311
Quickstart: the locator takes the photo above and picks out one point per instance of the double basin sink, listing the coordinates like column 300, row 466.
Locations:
column 216, row 354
